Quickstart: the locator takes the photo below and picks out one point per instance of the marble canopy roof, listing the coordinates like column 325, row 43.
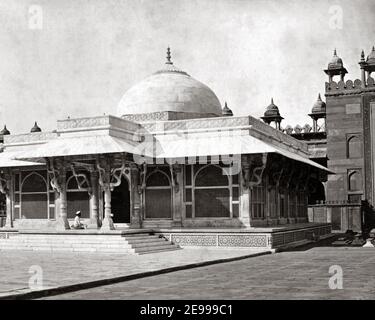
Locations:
column 158, row 139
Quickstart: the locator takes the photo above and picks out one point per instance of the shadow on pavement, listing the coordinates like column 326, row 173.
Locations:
column 338, row 240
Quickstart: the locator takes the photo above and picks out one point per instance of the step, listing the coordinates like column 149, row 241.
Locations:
column 134, row 241
column 72, row 242
column 22, row 249
column 153, row 248
column 69, row 238
column 151, row 244
column 158, row 250
column 69, row 249
column 137, row 243
column 63, row 239
column 140, row 236
column 112, row 250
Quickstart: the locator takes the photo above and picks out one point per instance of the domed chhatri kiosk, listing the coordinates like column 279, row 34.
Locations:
column 172, row 161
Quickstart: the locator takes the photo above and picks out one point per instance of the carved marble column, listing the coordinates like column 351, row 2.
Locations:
column 94, row 200
column 57, row 172
column 104, row 170
column 245, row 196
column 135, row 189
column 177, row 193
column 5, row 188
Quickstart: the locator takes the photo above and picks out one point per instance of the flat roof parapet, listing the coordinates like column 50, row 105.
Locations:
column 222, row 124
column 98, row 122
column 349, row 87
column 29, row 138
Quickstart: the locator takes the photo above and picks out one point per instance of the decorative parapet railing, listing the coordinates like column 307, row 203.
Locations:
column 165, row 116
column 29, row 138
column 194, row 124
column 278, row 135
column 91, row 123
column 225, row 123
column 349, row 87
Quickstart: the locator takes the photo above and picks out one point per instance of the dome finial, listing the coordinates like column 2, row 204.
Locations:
column 319, row 97
column 362, row 55
column 169, row 56
column 334, row 53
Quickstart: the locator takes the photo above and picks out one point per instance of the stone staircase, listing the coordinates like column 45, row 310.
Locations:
column 136, row 243
column 148, row 243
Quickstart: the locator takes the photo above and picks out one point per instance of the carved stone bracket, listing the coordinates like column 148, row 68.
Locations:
column 175, row 169
column 245, row 175
column 276, row 171
column 252, row 173
column 291, row 176
column 306, row 179
column 142, row 177
column 300, row 180
column 258, row 171
column 286, row 175
column 117, row 173
column 280, row 172
column 55, row 169
column 4, row 183
column 103, row 167
column 81, row 182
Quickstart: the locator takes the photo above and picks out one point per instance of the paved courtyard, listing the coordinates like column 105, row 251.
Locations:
column 287, row 275
column 61, row 269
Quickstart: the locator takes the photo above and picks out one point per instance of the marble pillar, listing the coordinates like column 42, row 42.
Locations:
column 105, row 183
column 94, row 201
column 59, row 184
column 245, row 195
column 136, row 209
column 177, row 194
column 9, row 202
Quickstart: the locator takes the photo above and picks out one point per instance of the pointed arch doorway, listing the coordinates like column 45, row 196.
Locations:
column 120, row 202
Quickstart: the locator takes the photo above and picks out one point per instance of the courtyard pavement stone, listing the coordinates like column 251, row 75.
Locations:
column 285, row 275
column 66, row 268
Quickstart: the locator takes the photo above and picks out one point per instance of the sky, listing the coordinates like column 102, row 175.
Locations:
column 77, row 58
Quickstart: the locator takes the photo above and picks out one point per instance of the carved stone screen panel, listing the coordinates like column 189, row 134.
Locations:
column 158, row 204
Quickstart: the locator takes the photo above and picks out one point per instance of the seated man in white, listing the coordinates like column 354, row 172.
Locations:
column 77, row 221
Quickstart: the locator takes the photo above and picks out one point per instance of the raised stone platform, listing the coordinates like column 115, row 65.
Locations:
column 268, row 237
column 149, row 239
column 115, row 242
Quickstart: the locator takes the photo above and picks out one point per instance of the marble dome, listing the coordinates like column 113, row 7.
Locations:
column 169, row 89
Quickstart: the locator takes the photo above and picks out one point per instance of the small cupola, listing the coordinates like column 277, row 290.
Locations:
column 5, row 131
column 226, row 111
column 35, row 128
column 272, row 114
column 318, row 112
column 336, row 67
column 371, row 57
column 319, row 106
